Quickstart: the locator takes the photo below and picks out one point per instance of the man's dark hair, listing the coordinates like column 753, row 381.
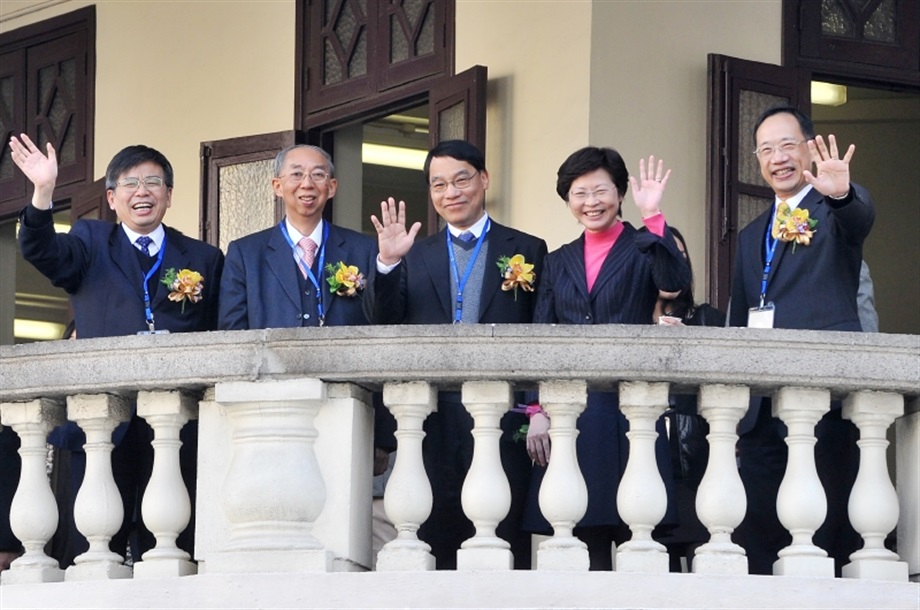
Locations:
column 132, row 156
column 457, row 149
column 587, row 160
column 805, row 123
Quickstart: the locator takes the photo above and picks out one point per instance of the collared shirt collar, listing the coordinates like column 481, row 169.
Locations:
column 796, row 199
column 316, row 235
column 476, row 229
column 157, row 235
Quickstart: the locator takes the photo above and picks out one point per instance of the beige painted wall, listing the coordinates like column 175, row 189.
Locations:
column 538, row 55
column 649, row 92
column 171, row 75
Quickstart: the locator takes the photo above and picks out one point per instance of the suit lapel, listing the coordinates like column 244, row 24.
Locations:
column 811, row 201
column 501, row 243
column 280, row 260
column 124, row 258
column 175, row 256
column 572, row 257
column 336, row 250
column 437, row 266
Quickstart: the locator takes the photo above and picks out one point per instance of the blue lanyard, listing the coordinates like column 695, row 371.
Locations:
column 148, row 311
column 455, row 271
column 309, row 272
column 769, row 248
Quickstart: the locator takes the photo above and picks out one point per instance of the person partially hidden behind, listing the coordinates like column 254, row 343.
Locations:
column 119, row 278
column 798, row 266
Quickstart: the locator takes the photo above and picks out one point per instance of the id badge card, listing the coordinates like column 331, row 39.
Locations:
column 761, row 317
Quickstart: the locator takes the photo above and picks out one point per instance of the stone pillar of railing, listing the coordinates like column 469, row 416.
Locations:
column 801, row 503
column 34, row 513
column 486, row 494
column 642, row 499
column 720, row 499
column 166, row 507
column 907, row 451
column 273, row 491
column 98, row 510
column 408, row 499
column 873, row 505
column 563, row 494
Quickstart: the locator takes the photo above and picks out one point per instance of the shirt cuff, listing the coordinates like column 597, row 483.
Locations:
column 655, row 224
column 385, row 269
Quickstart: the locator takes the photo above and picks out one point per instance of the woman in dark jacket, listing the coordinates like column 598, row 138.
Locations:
column 606, row 276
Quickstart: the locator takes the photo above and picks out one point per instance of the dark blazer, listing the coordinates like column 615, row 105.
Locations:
column 625, row 292
column 97, row 265
column 417, row 291
column 815, row 286
column 260, row 285
column 626, row 289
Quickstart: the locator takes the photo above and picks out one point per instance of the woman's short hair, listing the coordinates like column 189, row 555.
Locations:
column 587, row 160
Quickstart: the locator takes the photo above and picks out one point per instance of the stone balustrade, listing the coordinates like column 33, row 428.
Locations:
column 285, row 441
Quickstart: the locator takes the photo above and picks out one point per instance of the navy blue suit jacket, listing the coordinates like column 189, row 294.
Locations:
column 260, row 286
column 97, row 265
column 417, row 291
column 626, row 288
column 815, row 286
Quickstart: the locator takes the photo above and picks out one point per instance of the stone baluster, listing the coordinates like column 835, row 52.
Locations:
column 166, row 507
column 486, row 494
column 801, row 503
column 873, row 505
column 563, row 494
column 34, row 513
column 408, row 499
column 98, row 510
column 720, row 499
column 907, row 472
column 642, row 499
column 273, row 491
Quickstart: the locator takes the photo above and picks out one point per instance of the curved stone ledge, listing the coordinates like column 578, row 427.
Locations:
column 449, row 355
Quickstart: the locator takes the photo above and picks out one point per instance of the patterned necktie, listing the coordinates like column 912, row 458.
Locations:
column 144, row 242
column 466, row 236
column 308, row 247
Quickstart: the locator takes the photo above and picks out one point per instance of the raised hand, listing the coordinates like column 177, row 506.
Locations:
column 833, row 173
column 393, row 240
column 40, row 170
column 648, row 190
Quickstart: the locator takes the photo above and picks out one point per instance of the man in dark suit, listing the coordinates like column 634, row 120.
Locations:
column 812, row 265
column 266, row 281
column 419, row 283
column 116, row 275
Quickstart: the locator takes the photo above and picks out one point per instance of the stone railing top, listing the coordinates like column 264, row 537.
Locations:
column 448, row 355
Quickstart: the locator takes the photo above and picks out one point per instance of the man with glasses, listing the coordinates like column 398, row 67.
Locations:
column 798, row 266
column 454, row 277
column 135, row 277
column 305, row 271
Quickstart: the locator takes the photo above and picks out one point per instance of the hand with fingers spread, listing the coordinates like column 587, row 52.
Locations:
column 41, row 170
column 832, row 177
column 538, row 442
column 394, row 241
column 649, row 189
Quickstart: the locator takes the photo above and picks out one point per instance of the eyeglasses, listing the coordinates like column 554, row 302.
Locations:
column 768, row 150
column 150, row 183
column 582, row 196
column 317, row 176
column 459, row 183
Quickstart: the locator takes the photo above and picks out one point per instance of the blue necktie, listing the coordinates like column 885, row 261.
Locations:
column 144, row 242
column 466, row 236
